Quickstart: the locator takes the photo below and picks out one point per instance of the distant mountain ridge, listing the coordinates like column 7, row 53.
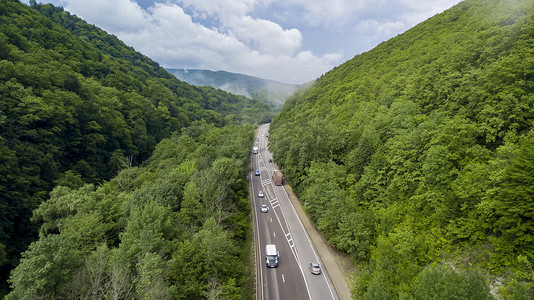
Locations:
column 267, row 91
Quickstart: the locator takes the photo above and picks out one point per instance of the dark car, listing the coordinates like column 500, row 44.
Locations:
column 315, row 268
column 257, row 173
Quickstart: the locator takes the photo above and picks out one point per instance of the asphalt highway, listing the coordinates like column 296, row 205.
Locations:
column 282, row 227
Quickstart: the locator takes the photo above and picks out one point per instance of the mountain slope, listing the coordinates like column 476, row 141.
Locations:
column 77, row 106
column 236, row 107
column 409, row 154
column 267, row 91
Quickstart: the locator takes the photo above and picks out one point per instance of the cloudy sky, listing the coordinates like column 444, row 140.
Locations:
column 292, row 41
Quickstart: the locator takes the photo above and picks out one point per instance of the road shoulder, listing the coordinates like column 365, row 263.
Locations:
column 338, row 264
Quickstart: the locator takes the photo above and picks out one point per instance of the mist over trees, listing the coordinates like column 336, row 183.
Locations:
column 266, row 91
column 416, row 157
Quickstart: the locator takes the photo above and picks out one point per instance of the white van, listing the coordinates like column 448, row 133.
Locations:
column 271, row 256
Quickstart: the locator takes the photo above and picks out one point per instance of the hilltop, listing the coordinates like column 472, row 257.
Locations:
column 417, row 158
column 266, row 91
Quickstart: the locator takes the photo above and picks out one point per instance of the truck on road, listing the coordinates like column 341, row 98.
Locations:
column 271, row 256
column 278, row 178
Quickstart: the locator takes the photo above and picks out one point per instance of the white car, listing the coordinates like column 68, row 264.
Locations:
column 315, row 268
column 260, row 194
column 264, row 208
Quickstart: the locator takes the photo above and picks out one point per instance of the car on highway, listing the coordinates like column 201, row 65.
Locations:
column 315, row 268
column 257, row 173
column 260, row 194
column 264, row 208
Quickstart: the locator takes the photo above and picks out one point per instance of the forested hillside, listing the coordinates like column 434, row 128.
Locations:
column 77, row 106
column 176, row 228
column 266, row 91
column 417, row 157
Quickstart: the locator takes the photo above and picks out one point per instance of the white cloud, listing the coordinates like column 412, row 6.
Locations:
column 264, row 38
column 340, row 13
column 251, row 46
column 329, row 13
column 167, row 34
column 170, row 31
column 381, row 29
column 355, row 26
column 123, row 15
column 304, row 66
column 219, row 8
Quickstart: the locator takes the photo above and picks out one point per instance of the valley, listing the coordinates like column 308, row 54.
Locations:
column 414, row 161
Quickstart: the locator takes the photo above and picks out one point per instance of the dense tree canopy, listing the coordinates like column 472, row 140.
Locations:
column 179, row 229
column 420, row 151
column 76, row 107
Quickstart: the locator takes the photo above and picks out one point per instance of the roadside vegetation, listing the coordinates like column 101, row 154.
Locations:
column 417, row 157
column 175, row 228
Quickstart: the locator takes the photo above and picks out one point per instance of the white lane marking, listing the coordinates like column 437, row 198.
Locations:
column 274, row 234
column 258, row 253
column 283, row 278
column 289, row 239
column 310, row 243
column 276, row 204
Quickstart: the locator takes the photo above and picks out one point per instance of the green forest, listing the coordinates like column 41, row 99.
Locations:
column 176, row 228
column 117, row 180
column 417, row 158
